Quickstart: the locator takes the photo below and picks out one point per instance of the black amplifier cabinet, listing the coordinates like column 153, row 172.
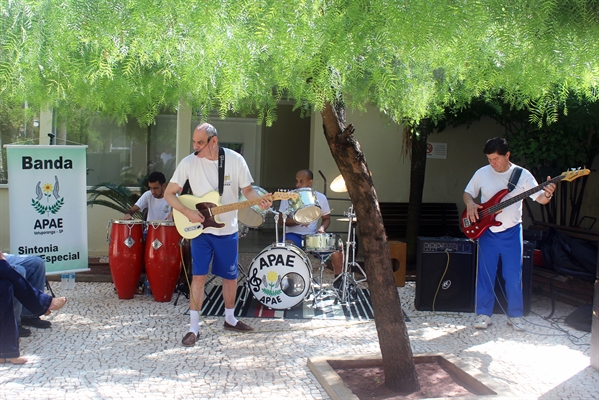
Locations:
column 527, row 262
column 446, row 276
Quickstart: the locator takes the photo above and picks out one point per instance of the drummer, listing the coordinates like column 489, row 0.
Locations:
column 153, row 200
column 295, row 232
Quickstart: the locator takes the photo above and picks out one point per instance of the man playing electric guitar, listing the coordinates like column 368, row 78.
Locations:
column 212, row 168
column 505, row 240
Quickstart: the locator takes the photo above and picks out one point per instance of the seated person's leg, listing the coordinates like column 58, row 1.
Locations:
column 9, row 335
column 295, row 238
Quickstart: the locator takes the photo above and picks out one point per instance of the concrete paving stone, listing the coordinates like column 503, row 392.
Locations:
column 103, row 347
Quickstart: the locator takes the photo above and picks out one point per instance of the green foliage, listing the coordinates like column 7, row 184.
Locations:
column 411, row 59
column 118, row 198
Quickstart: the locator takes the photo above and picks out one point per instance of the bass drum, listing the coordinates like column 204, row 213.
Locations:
column 252, row 217
column 280, row 276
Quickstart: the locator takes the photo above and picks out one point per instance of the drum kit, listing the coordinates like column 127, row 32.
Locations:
column 279, row 277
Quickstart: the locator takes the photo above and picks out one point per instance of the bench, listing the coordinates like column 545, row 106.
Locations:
column 436, row 219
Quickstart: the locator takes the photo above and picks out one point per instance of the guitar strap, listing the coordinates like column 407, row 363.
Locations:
column 511, row 185
column 221, row 170
column 221, row 175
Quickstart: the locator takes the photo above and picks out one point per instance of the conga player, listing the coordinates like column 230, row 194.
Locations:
column 295, row 232
column 153, row 200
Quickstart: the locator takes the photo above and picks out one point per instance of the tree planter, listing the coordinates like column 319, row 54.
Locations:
column 476, row 382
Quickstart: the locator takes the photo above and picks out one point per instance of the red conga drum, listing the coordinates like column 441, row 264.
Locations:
column 125, row 255
column 162, row 258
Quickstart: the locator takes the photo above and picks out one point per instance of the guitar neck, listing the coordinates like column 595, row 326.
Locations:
column 233, row 206
column 500, row 206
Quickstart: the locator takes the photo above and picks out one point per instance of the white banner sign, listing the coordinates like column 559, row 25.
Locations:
column 47, row 200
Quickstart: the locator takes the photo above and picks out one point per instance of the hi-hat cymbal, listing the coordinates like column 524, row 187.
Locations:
column 354, row 219
column 338, row 185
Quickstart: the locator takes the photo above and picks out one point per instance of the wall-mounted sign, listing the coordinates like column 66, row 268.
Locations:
column 436, row 150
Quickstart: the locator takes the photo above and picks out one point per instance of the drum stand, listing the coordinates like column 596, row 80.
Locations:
column 322, row 292
column 349, row 283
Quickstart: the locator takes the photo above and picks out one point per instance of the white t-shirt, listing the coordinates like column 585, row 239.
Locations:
column 313, row 227
column 203, row 179
column 158, row 209
column 487, row 182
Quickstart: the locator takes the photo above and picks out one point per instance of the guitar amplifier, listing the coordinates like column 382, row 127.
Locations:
column 527, row 264
column 446, row 274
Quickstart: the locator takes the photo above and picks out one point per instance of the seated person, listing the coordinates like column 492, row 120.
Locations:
column 153, row 200
column 39, row 303
column 295, row 232
column 33, row 269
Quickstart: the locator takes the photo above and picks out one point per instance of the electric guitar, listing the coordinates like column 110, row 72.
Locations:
column 209, row 206
column 486, row 215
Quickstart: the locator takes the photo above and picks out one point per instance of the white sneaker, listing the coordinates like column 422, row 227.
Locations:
column 517, row 323
column 482, row 321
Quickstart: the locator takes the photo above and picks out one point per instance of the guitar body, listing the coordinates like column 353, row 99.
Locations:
column 190, row 230
column 473, row 230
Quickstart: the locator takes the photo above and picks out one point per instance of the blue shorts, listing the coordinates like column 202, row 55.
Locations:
column 221, row 250
column 296, row 238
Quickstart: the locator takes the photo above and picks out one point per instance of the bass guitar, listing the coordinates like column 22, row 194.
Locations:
column 487, row 214
column 209, row 206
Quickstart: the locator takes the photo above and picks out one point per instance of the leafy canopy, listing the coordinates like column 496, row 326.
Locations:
column 411, row 58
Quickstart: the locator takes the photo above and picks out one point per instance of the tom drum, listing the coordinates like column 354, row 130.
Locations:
column 305, row 207
column 252, row 217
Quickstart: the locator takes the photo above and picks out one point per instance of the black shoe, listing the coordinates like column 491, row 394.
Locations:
column 36, row 322
column 24, row 332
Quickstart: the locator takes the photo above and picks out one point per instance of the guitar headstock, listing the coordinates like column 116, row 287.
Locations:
column 284, row 196
column 574, row 174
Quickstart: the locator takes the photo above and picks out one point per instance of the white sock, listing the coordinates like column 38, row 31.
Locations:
column 194, row 322
column 230, row 316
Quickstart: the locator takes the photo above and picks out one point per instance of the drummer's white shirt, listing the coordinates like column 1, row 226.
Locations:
column 313, row 227
column 158, row 209
column 203, row 179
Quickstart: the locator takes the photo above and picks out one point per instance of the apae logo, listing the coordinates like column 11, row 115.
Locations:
column 44, row 194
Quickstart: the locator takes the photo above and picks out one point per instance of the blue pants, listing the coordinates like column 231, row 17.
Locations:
column 33, row 268
column 508, row 246
column 13, row 283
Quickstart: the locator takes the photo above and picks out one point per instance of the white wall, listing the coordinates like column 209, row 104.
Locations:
column 382, row 144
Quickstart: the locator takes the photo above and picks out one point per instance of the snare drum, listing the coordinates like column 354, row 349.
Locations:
column 252, row 217
column 280, row 276
column 162, row 258
column 322, row 243
column 125, row 255
column 305, row 207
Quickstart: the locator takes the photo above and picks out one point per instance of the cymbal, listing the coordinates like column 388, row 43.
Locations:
column 338, row 185
column 354, row 219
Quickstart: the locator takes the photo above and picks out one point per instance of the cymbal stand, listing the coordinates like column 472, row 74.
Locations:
column 349, row 282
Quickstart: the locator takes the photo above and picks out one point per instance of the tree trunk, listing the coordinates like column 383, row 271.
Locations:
column 417, row 172
column 400, row 371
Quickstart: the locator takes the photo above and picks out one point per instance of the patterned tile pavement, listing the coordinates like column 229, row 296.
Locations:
column 102, row 347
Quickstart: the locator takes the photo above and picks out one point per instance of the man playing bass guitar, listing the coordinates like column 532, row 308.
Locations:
column 503, row 240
